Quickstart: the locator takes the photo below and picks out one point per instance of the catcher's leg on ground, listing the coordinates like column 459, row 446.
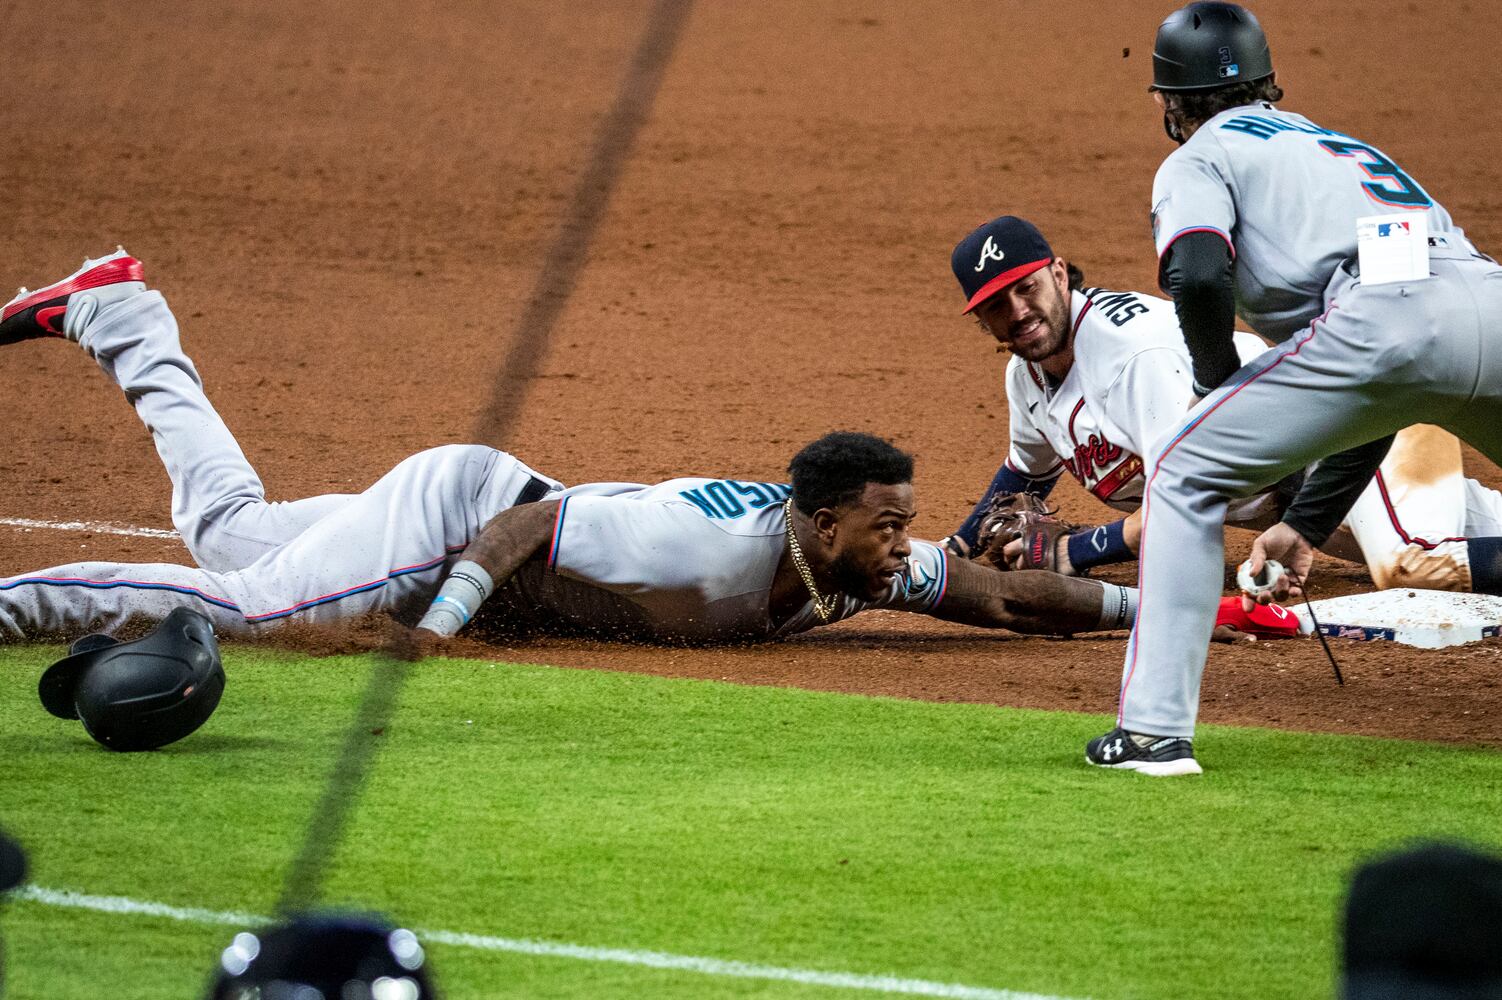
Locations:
column 218, row 503
column 65, row 602
column 388, row 548
column 1410, row 523
column 1281, row 413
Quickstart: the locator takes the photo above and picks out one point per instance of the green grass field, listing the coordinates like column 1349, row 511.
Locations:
column 953, row 844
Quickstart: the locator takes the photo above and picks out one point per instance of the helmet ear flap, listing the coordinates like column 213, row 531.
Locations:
column 1172, row 127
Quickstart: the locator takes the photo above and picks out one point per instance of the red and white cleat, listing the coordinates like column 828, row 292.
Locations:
column 64, row 308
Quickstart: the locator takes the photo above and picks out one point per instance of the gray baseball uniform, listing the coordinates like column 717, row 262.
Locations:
column 689, row 559
column 1356, row 361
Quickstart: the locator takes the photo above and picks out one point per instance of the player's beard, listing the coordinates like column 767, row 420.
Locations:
column 1056, row 321
column 850, row 579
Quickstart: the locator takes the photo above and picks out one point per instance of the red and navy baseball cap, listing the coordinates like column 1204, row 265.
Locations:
column 1002, row 251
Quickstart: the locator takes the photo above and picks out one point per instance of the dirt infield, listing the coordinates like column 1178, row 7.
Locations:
column 347, row 208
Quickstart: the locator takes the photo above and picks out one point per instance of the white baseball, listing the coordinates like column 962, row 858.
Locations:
column 1262, row 583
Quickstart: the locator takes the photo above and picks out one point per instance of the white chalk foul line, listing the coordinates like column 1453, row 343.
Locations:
column 121, row 905
column 97, row 527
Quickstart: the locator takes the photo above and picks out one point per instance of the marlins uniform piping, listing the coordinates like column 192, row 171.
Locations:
column 1358, row 361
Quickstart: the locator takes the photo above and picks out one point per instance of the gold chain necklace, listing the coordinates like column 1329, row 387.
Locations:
column 823, row 606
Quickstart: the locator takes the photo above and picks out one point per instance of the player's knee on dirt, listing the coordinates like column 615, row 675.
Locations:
column 1442, row 567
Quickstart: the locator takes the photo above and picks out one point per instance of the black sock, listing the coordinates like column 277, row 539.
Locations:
column 1486, row 565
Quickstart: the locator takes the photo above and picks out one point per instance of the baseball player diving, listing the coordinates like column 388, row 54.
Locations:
column 1384, row 315
column 454, row 528
column 1097, row 377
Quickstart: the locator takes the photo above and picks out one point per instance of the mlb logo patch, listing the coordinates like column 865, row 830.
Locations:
column 1392, row 248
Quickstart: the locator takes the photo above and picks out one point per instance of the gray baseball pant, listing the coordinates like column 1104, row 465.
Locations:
column 1382, row 357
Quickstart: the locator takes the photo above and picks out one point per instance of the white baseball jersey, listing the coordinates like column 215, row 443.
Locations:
column 689, row 559
column 1130, row 383
column 1290, row 217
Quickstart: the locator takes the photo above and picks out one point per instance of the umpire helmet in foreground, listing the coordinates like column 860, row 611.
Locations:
column 12, row 874
column 143, row 694
column 12, row 863
column 1424, row 924
column 324, row 957
column 1208, row 45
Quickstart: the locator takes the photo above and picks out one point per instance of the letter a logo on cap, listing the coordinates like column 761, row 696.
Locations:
column 990, row 251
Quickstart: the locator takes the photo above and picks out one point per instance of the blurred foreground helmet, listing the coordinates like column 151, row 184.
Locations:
column 143, row 694
column 324, row 957
column 12, row 874
column 1425, row 924
column 12, row 863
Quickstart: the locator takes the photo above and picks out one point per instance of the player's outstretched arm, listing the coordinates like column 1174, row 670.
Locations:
column 1033, row 601
column 508, row 540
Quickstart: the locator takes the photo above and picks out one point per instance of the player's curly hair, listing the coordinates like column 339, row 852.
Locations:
column 1197, row 107
column 1076, row 276
column 835, row 469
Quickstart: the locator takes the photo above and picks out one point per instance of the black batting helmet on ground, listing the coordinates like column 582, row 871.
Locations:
column 329, row 957
column 1208, row 45
column 143, row 694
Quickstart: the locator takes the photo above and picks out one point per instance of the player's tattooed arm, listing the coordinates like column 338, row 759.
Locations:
column 512, row 537
column 507, row 541
column 1032, row 601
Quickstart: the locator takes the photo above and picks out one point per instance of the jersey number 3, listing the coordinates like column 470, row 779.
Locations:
column 1407, row 193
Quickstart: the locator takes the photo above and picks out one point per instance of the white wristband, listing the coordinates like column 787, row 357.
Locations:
column 463, row 591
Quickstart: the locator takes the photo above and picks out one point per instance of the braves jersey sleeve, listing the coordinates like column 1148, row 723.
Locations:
column 1151, row 392
column 1029, row 453
column 1147, row 399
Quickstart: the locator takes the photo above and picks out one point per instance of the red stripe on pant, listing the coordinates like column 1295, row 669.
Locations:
column 1147, row 492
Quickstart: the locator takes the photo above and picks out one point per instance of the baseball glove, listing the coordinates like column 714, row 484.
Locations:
column 1021, row 517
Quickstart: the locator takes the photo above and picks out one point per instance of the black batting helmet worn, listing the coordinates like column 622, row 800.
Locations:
column 1208, row 45
column 143, row 694
column 326, row 956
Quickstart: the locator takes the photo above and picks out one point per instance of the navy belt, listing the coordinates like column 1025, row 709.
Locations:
column 534, row 491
